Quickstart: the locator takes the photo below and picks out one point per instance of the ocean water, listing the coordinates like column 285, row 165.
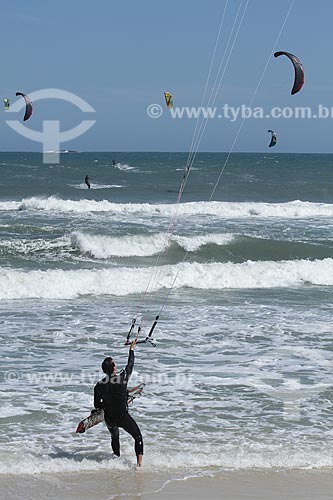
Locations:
column 241, row 375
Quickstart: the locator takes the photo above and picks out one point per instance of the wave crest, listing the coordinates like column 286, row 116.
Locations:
column 61, row 284
column 103, row 247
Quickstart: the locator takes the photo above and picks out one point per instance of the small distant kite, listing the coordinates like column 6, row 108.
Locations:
column 299, row 71
column 273, row 138
column 28, row 106
column 6, row 103
column 168, row 99
column 86, row 180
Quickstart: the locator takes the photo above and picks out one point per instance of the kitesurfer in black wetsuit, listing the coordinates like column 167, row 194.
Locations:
column 110, row 393
column 113, row 163
column 86, row 180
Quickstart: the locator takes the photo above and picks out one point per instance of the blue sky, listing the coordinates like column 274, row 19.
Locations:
column 121, row 56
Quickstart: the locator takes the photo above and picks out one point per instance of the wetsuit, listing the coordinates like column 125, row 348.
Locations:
column 111, row 395
column 86, row 180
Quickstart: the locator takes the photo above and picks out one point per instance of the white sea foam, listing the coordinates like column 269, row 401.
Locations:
column 25, row 246
column 231, row 457
column 83, row 185
column 193, row 243
column 60, row 284
column 123, row 167
column 103, row 247
column 10, row 411
column 10, row 205
column 292, row 209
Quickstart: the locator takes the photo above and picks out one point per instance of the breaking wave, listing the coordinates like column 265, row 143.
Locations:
column 66, row 284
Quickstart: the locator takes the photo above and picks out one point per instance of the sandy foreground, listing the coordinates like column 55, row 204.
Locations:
column 103, row 485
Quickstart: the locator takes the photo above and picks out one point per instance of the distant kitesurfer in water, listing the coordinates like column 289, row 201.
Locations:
column 86, row 180
column 110, row 393
column 113, row 163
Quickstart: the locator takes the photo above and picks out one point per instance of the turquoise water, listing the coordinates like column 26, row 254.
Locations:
column 243, row 282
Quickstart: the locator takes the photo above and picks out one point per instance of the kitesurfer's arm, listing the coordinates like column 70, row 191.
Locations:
column 98, row 400
column 130, row 362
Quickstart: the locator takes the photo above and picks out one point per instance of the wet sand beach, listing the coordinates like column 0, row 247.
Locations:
column 229, row 485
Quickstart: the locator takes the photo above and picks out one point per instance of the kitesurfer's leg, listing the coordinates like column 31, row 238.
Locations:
column 115, row 444
column 129, row 425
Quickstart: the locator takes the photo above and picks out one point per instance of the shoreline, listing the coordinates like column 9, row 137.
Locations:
column 253, row 484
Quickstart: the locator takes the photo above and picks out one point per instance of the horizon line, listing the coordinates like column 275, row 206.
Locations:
column 171, row 152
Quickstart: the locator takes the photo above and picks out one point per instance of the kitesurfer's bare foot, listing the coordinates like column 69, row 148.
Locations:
column 139, row 460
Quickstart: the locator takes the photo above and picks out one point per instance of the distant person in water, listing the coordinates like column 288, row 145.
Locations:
column 86, row 180
column 113, row 163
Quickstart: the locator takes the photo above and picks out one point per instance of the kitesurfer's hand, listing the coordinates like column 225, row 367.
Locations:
column 133, row 344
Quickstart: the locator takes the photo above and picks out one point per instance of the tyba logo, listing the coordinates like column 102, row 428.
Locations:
column 51, row 137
